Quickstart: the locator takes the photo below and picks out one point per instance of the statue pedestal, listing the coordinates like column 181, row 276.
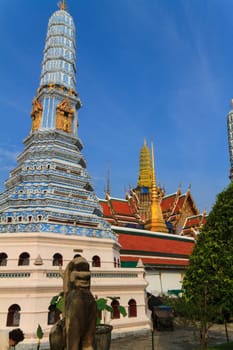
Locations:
column 102, row 339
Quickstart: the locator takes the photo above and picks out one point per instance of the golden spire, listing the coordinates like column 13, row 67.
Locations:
column 62, row 5
column 144, row 179
column 156, row 222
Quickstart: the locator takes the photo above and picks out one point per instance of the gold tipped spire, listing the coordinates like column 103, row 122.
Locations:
column 156, row 222
column 144, row 179
column 62, row 5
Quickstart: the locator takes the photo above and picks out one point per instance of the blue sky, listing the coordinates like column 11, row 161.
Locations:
column 154, row 69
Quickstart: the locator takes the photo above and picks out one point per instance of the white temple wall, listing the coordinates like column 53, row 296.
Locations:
column 160, row 281
column 32, row 286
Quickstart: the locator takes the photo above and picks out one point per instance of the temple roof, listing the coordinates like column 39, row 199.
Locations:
column 155, row 262
column 118, row 211
column 154, row 249
column 146, row 243
column 173, row 206
column 193, row 225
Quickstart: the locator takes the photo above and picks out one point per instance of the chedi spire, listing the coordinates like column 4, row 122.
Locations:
column 155, row 222
column 50, row 189
column 56, row 103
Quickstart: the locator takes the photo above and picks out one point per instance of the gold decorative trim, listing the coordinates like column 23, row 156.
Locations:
column 36, row 114
column 64, row 116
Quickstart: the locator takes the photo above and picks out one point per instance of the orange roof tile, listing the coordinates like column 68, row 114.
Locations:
column 193, row 221
column 157, row 261
column 155, row 244
column 167, row 202
column 179, row 204
column 121, row 206
column 105, row 207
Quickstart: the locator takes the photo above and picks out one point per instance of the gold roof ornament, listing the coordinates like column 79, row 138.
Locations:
column 232, row 102
column 156, row 222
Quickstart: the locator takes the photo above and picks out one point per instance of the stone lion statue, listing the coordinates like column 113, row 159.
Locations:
column 76, row 330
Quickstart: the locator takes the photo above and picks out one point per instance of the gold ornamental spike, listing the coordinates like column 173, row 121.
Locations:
column 62, row 5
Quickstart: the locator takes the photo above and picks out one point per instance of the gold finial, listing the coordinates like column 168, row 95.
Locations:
column 154, row 186
column 232, row 102
column 62, row 5
column 156, row 222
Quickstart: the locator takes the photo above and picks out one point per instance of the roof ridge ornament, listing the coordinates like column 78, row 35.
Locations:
column 62, row 5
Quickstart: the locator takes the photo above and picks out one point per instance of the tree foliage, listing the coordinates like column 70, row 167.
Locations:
column 208, row 283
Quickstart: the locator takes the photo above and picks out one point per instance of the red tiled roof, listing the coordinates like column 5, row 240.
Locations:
column 196, row 220
column 157, row 261
column 179, row 204
column 193, row 221
column 121, row 206
column 105, row 207
column 167, row 203
column 204, row 220
column 155, row 244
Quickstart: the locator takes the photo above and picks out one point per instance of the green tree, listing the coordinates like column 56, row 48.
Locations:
column 208, row 282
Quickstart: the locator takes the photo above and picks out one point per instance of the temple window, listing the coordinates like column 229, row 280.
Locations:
column 13, row 316
column 3, row 259
column 57, row 260
column 115, row 310
column 96, row 261
column 9, row 219
column 24, row 259
column 132, row 308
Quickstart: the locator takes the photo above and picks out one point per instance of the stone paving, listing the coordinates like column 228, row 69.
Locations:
column 182, row 338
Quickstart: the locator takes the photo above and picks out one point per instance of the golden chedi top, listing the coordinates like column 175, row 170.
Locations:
column 145, row 169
